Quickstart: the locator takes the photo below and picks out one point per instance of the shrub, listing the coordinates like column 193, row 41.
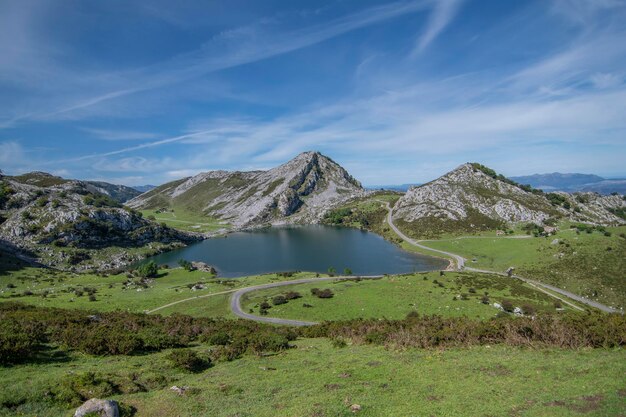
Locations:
column 472, row 290
column 557, row 304
column 265, row 305
column 484, row 299
column 338, row 342
column 185, row 264
column 326, row 293
column 148, row 270
column 279, row 299
column 347, row 271
column 292, row 295
column 528, row 310
column 507, row 306
column 188, row 360
column 92, row 297
column 18, row 341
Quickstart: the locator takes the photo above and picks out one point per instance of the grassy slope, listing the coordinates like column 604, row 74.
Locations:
column 170, row 286
column 186, row 221
column 394, row 297
column 316, row 379
column 585, row 266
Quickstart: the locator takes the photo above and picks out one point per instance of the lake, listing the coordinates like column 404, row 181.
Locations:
column 302, row 248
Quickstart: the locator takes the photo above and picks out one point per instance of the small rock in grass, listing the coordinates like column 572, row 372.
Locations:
column 355, row 408
column 104, row 408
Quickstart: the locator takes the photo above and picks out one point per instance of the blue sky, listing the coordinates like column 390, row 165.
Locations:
column 138, row 92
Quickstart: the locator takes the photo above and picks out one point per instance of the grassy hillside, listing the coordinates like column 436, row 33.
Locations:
column 454, row 294
column 591, row 264
column 317, row 379
column 185, row 220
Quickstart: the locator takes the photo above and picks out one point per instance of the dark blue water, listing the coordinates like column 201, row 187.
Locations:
column 304, row 248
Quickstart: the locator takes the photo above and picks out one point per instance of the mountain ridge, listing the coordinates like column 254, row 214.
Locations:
column 474, row 197
column 298, row 191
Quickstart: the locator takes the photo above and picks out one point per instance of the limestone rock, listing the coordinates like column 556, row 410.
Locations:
column 105, row 408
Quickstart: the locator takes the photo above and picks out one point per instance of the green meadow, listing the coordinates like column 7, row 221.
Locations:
column 316, row 379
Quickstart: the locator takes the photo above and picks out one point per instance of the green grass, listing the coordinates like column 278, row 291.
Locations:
column 171, row 285
column 186, row 220
column 393, row 297
column 316, row 379
column 581, row 263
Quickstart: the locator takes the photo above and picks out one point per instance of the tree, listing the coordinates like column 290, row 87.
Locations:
column 331, row 271
column 185, row 264
column 148, row 270
column 347, row 271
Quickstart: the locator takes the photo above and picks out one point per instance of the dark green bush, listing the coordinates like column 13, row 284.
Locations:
column 279, row 299
column 188, row 360
column 148, row 270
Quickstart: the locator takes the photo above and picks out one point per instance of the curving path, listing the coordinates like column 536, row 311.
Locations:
column 235, row 301
column 460, row 261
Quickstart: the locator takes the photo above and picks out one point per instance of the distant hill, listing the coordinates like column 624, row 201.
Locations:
column 144, row 188
column 557, row 181
column 298, row 191
column 396, row 187
column 120, row 193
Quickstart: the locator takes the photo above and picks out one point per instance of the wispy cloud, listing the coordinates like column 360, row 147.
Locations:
column 115, row 135
column 229, row 49
column 443, row 12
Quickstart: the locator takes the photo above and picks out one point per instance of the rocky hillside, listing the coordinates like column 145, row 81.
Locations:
column 69, row 225
column 119, row 193
column 473, row 197
column 299, row 191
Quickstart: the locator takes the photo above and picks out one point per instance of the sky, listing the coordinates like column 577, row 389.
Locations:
column 145, row 92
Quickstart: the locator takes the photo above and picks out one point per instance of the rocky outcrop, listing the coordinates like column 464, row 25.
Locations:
column 66, row 224
column 299, row 191
column 94, row 406
column 474, row 197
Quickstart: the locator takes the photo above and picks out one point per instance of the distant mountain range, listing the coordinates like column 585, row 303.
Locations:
column 401, row 187
column 144, row 188
column 557, row 181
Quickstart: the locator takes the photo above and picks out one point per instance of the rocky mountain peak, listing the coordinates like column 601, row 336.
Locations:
column 300, row 190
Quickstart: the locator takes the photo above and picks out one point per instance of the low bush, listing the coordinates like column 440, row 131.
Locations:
column 279, row 299
column 188, row 360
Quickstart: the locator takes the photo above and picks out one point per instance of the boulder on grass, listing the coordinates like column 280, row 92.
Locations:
column 104, row 408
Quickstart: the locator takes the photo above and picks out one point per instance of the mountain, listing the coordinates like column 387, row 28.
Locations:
column 144, row 188
column 473, row 197
column 119, row 193
column 299, row 191
column 573, row 182
column 69, row 225
column 396, row 187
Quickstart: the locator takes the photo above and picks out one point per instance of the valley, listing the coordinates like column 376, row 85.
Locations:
column 302, row 270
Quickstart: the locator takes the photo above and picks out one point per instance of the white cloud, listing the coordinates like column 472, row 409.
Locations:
column 115, row 135
column 442, row 14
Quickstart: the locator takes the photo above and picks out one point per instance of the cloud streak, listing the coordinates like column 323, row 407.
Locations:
column 442, row 14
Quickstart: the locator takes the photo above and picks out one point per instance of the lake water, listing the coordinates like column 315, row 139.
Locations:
column 304, row 248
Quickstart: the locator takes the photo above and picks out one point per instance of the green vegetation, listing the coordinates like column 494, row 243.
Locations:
column 100, row 200
column 326, row 376
column 451, row 295
column 584, row 259
column 185, row 220
column 364, row 213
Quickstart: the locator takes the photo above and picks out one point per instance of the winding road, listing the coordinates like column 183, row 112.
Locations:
column 460, row 262
column 235, row 301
